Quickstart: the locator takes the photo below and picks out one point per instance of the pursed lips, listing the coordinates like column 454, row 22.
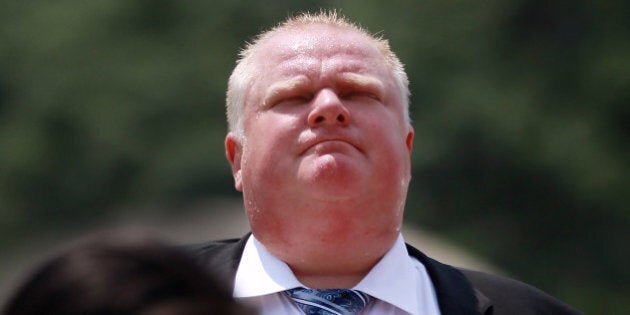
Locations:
column 328, row 145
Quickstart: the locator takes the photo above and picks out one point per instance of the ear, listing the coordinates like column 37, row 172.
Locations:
column 409, row 140
column 233, row 152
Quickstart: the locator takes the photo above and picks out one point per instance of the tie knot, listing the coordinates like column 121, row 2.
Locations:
column 330, row 301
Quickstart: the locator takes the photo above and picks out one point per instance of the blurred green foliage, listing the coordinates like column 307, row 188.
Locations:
column 521, row 110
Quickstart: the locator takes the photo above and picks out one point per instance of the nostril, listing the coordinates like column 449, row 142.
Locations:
column 341, row 118
column 319, row 119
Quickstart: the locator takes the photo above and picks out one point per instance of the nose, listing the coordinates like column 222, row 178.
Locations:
column 327, row 109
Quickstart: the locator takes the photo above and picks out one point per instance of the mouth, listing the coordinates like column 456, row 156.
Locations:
column 328, row 146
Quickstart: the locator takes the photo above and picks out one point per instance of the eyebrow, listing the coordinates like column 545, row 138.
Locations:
column 362, row 81
column 302, row 83
column 277, row 90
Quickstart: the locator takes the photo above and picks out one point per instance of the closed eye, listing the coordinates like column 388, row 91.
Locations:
column 292, row 100
column 294, row 91
column 360, row 87
column 359, row 95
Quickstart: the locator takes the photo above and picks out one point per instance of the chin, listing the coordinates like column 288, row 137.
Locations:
column 335, row 187
column 331, row 170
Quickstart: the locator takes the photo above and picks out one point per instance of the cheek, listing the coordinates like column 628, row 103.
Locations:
column 388, row 129
column 391, row 145
column 268, row 139
column 270, row 124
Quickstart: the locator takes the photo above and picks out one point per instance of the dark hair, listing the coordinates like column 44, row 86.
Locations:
column 140, row 276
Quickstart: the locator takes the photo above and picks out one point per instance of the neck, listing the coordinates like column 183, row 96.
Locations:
column 333, row 263
column 342, row 271
column 328, row 245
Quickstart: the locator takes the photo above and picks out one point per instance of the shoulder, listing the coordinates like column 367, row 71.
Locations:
column 220, row 256
column 509, row 296
column 487, row 293
column 210, row 247
column 218, row 251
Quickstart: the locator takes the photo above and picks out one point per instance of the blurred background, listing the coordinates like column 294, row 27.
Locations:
column 112, row 114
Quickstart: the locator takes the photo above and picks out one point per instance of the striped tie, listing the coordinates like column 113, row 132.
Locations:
column 329, row 302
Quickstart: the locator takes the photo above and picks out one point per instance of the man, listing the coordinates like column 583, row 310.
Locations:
column 319, row 145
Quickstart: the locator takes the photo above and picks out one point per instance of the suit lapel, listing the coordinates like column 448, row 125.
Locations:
column 455, row 294
column 221, row 257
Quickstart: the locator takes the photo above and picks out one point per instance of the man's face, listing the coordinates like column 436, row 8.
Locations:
column 323, row 123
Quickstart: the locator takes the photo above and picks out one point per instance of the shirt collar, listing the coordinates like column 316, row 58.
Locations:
column 260, row 273
column 395, row 279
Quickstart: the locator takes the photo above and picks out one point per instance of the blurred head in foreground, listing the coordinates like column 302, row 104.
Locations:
column 122, row 275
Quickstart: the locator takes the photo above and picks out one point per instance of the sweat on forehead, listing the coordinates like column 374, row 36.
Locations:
column 305, row 38
column 302, row 21
column 315, row 47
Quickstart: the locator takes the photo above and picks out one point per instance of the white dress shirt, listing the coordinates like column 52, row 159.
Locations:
column 398, row 283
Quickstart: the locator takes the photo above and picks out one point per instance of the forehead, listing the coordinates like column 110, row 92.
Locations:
column 319, row 48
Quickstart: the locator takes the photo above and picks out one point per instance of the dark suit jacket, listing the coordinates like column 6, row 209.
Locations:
column 459, row 291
